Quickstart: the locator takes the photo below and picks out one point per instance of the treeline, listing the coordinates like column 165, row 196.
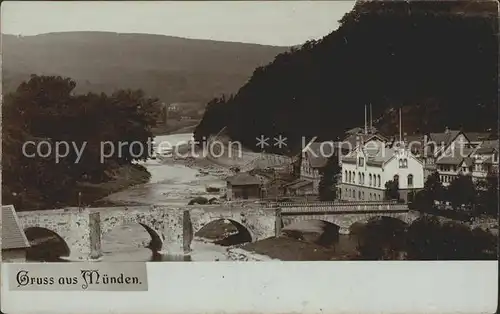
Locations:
column 464, row 197
column 426, row 238
column 437, row 60
column 45, row 108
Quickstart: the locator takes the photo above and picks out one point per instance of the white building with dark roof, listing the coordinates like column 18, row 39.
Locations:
column 14, row 241
column 367, row 169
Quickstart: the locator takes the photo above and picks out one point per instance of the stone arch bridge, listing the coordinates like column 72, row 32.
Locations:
column 172, row 228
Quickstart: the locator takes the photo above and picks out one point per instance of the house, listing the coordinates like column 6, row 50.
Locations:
column 243, row 186
column 299, row 187
column 452, row 163
column 367, row 169
column 14, row 241
column 314, row 157
column 452, row 153
column 485, row 158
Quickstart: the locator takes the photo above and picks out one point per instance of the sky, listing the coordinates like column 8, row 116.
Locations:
column 280, row 23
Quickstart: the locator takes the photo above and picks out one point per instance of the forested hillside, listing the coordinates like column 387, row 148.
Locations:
column 170, row 68
column 438, row 60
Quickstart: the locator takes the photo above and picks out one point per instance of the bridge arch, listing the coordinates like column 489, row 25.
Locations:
column 46, row 244
column 211, row 229
column 388, row 219
column 320, row 231
column 156, row 240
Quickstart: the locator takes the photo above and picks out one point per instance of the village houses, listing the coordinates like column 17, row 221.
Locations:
column 453, row 152
column 369, row 160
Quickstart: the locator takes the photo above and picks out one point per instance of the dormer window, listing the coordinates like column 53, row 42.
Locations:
column 361, row 161
column 403, row 163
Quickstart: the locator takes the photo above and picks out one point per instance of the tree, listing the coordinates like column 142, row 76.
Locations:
column 382, row 238
column 433, row 189
column 461, row 191
column 45, row 108
column 488, row 194
column 424, row 239
column 391, row 190
column 328, row 181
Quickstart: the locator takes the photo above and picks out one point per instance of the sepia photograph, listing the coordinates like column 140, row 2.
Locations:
column 326, row 131
column 249, row 156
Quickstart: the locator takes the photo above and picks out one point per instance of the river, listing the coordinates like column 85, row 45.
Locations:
column 170, row 183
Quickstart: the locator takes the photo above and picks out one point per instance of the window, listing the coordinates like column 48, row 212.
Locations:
column 363, row 179
column 361, row 161
column 396, row 179
column 359, row 194
column 410, row 180
column 378, row 179
column 345, row 176
column 403, row 163
column 363, row 195
column 359, row 178
column 370, row 182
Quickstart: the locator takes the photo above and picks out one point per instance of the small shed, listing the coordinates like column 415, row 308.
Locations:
column 243, row 186
column 14, row 241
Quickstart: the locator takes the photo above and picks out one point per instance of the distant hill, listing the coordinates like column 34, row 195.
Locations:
column 171, row 68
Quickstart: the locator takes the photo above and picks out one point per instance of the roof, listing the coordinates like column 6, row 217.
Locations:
column 352, row 141
column 321, row 152
column 455, row 158
column 297, row 184
column 487, row 147
column 355, row 130
column 477, row 136
column 467, row 161
column 243, row 178
column 444, row 137
column 377, row 155
column 13, row 236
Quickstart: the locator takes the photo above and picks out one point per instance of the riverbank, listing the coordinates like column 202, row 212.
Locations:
column 123, row 178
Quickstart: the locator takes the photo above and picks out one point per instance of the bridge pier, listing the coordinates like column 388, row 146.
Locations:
column 177, row 233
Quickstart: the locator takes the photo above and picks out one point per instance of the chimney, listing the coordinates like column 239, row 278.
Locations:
column 400, row 128
column 366, row 131
column 371, row 126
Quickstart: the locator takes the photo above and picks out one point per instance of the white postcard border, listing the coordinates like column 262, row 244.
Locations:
column 284, row 287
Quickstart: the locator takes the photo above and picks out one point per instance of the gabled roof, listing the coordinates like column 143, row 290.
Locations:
column 243, row 178
column 297, row 184
column 487, row 147
column 321, row 152
column 477, row 136
column 376, row 155
column 444, row 137
column 354, row 140
column 456, row 157
column 13, row 236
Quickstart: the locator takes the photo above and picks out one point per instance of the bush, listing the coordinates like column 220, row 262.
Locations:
column 198, row 200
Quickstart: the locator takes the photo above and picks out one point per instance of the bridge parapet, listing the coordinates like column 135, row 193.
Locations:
column 333, row 203
column 344, row 208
